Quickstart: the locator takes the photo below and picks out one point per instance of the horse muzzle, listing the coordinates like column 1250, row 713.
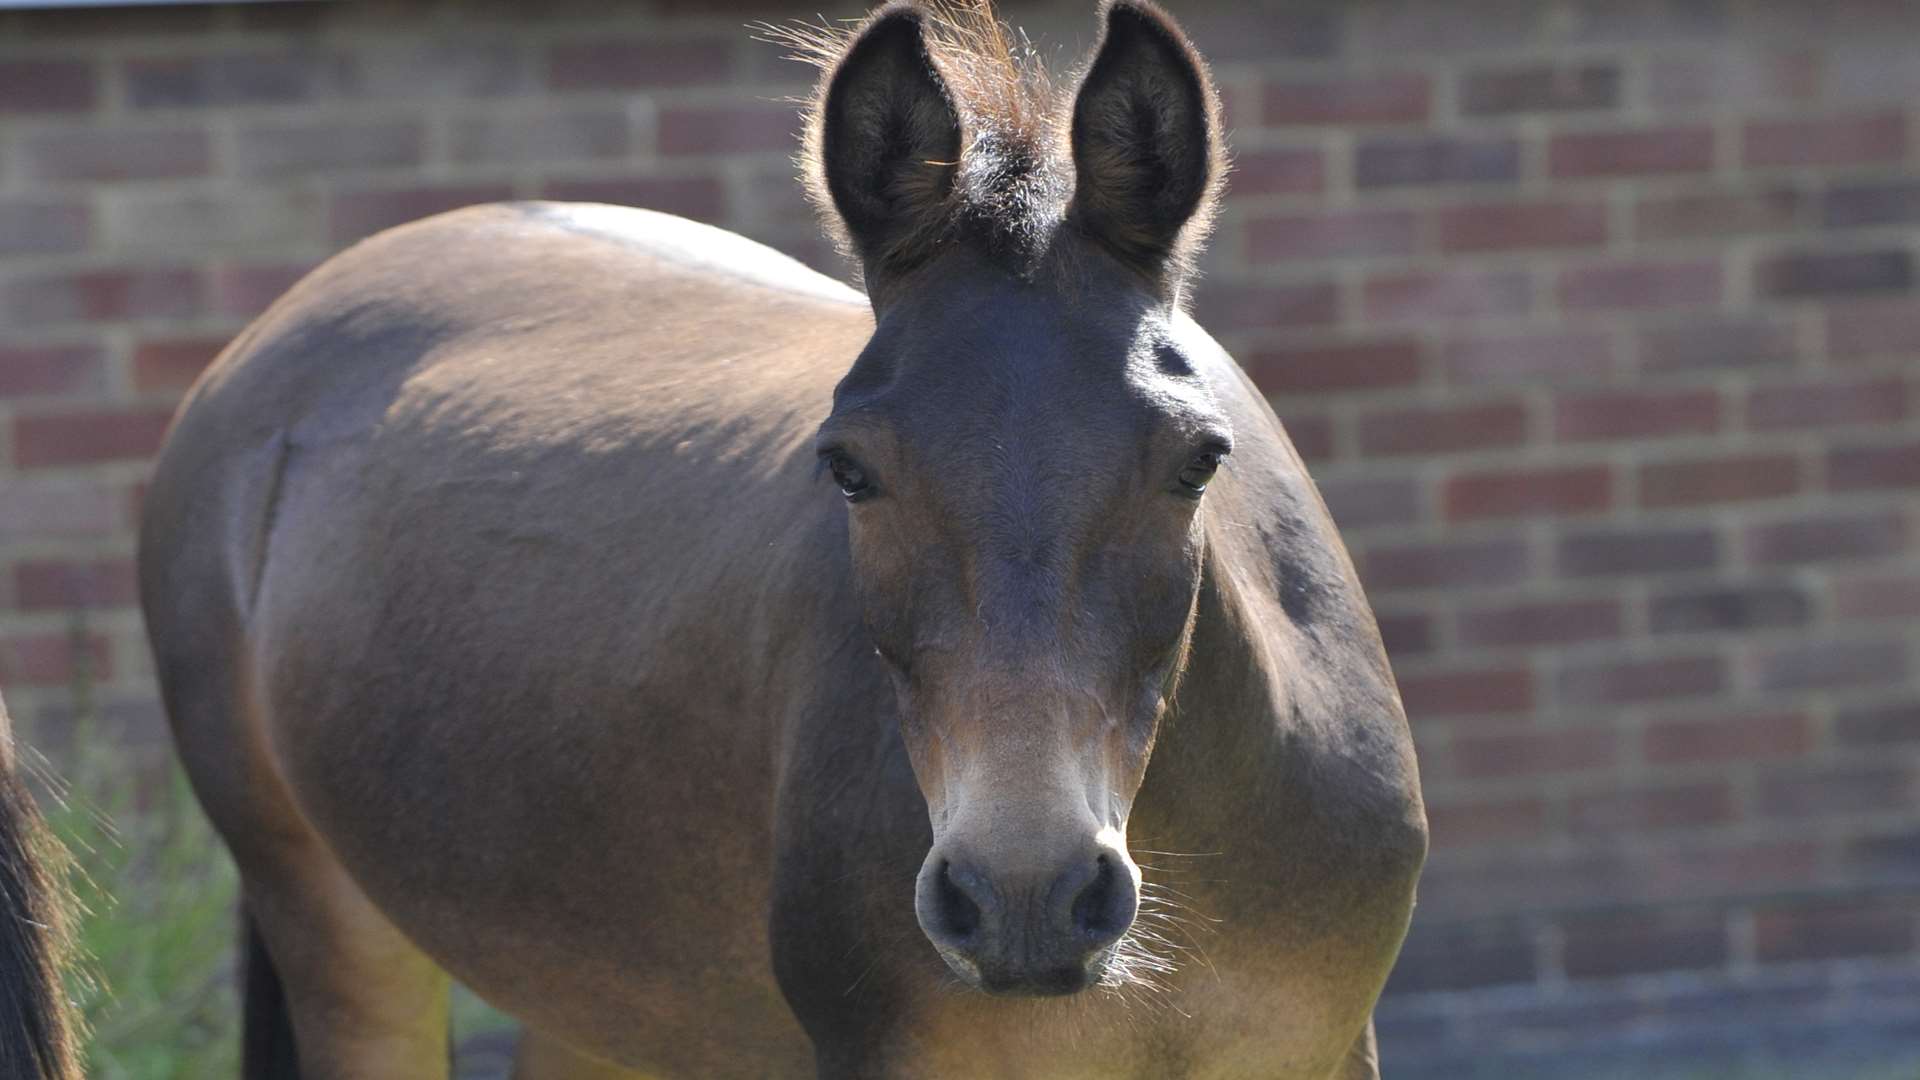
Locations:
column 1026, row 932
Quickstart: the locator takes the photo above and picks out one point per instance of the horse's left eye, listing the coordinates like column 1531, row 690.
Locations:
column 849, row 475
column 1194, row 477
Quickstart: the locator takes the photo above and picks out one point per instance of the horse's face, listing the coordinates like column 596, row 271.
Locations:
column 1024, row 455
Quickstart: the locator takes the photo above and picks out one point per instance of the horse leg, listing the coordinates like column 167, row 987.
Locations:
column 361, row 1000
column 542, row 1058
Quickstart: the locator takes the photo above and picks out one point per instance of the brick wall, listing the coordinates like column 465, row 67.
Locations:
column 1597, row 322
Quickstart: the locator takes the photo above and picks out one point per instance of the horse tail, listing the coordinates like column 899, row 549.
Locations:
column 37, row 1028
column 267, row 1048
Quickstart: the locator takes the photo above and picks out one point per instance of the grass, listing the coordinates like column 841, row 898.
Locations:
column 156, row 925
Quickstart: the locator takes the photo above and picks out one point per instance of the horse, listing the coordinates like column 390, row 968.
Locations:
column 37, row 1029
column 728, row 672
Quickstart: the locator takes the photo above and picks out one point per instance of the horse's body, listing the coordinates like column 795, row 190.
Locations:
column 507, row 629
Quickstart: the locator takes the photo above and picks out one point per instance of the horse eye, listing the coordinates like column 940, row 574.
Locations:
column 1200, row 470
column 850, row 476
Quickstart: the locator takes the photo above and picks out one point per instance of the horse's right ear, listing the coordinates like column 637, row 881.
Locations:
column 887, row 143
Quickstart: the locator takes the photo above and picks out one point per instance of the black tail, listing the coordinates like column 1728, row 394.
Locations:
column 37, row 1032
column 267, row 1052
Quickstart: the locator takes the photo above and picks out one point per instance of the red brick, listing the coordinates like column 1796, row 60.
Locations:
column 1327, row 234
column 1400, row 160
column 299, row 150
column 30, row 370
column 1529, row 358
column 93, row 153
column 1232, row 306
column 43, row 226
column 1233, row 33
column 1351, row 101
column 1444, row 429
column 102, row 295
column 702, row 198
column 1879, row 725
column 1574, row 489
column 1733, row 737
column 1718, row 480
column 1630, row 153
column 1312, row 435
column 1812, row 274
column 1826, row 537
column 1643, row 551
column 1639, row 285
column 1722, row 869
column 1633, row 414
column 1489, row 821
column 45, row 510
column 1540, row 624
column 1428, row 296
column 1807, row 792
column 1869, row 328
column 1717, row 213
column 1349, row 366
column 245, row 289
column 61, row 585
column 83, row 438
column 1826, row 403
column 1502, row 91
column 1626, row 682
column 1741, row 76
column 354, row 214
column 1715, row 343
column 638, row 63
column 728, row 129
column 1829, row 663
column 1854, row 206
column 1286, row 170
column 1878, row 597
column 1650, row 809
column 53, row 659
column 1534, row 753
column 1465, row 955
column 46, row 85
column 228, row 78
column 1867, row 468
column 1363, row 502
column 1466, row 692
column 1428, row 31
column 1460, row 563
column 1639, row 942
column 1729, row 608
column 1828, row 140
column 169, row 365
column 1405, row 633
column 1522, row 226
column 1834, row 930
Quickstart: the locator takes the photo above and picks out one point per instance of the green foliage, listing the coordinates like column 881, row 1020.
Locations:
column 156, row 920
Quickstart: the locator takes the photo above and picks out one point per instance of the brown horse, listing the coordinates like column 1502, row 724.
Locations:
column 36, row 1030
column 511, row 627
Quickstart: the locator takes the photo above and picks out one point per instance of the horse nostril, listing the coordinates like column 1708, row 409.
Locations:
column 1104, row 909
column 959, row 915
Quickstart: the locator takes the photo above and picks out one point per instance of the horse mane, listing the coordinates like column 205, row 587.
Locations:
column 1014, row 175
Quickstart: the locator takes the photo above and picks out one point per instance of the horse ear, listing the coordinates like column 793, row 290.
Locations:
column 1147, row 155
column 888, row 142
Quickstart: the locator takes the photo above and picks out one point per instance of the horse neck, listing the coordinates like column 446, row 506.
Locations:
column 1229, row 743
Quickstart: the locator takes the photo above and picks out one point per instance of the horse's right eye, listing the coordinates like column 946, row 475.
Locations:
column 850, row 476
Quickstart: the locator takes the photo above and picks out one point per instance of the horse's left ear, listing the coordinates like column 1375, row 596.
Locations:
column 1147, row 154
